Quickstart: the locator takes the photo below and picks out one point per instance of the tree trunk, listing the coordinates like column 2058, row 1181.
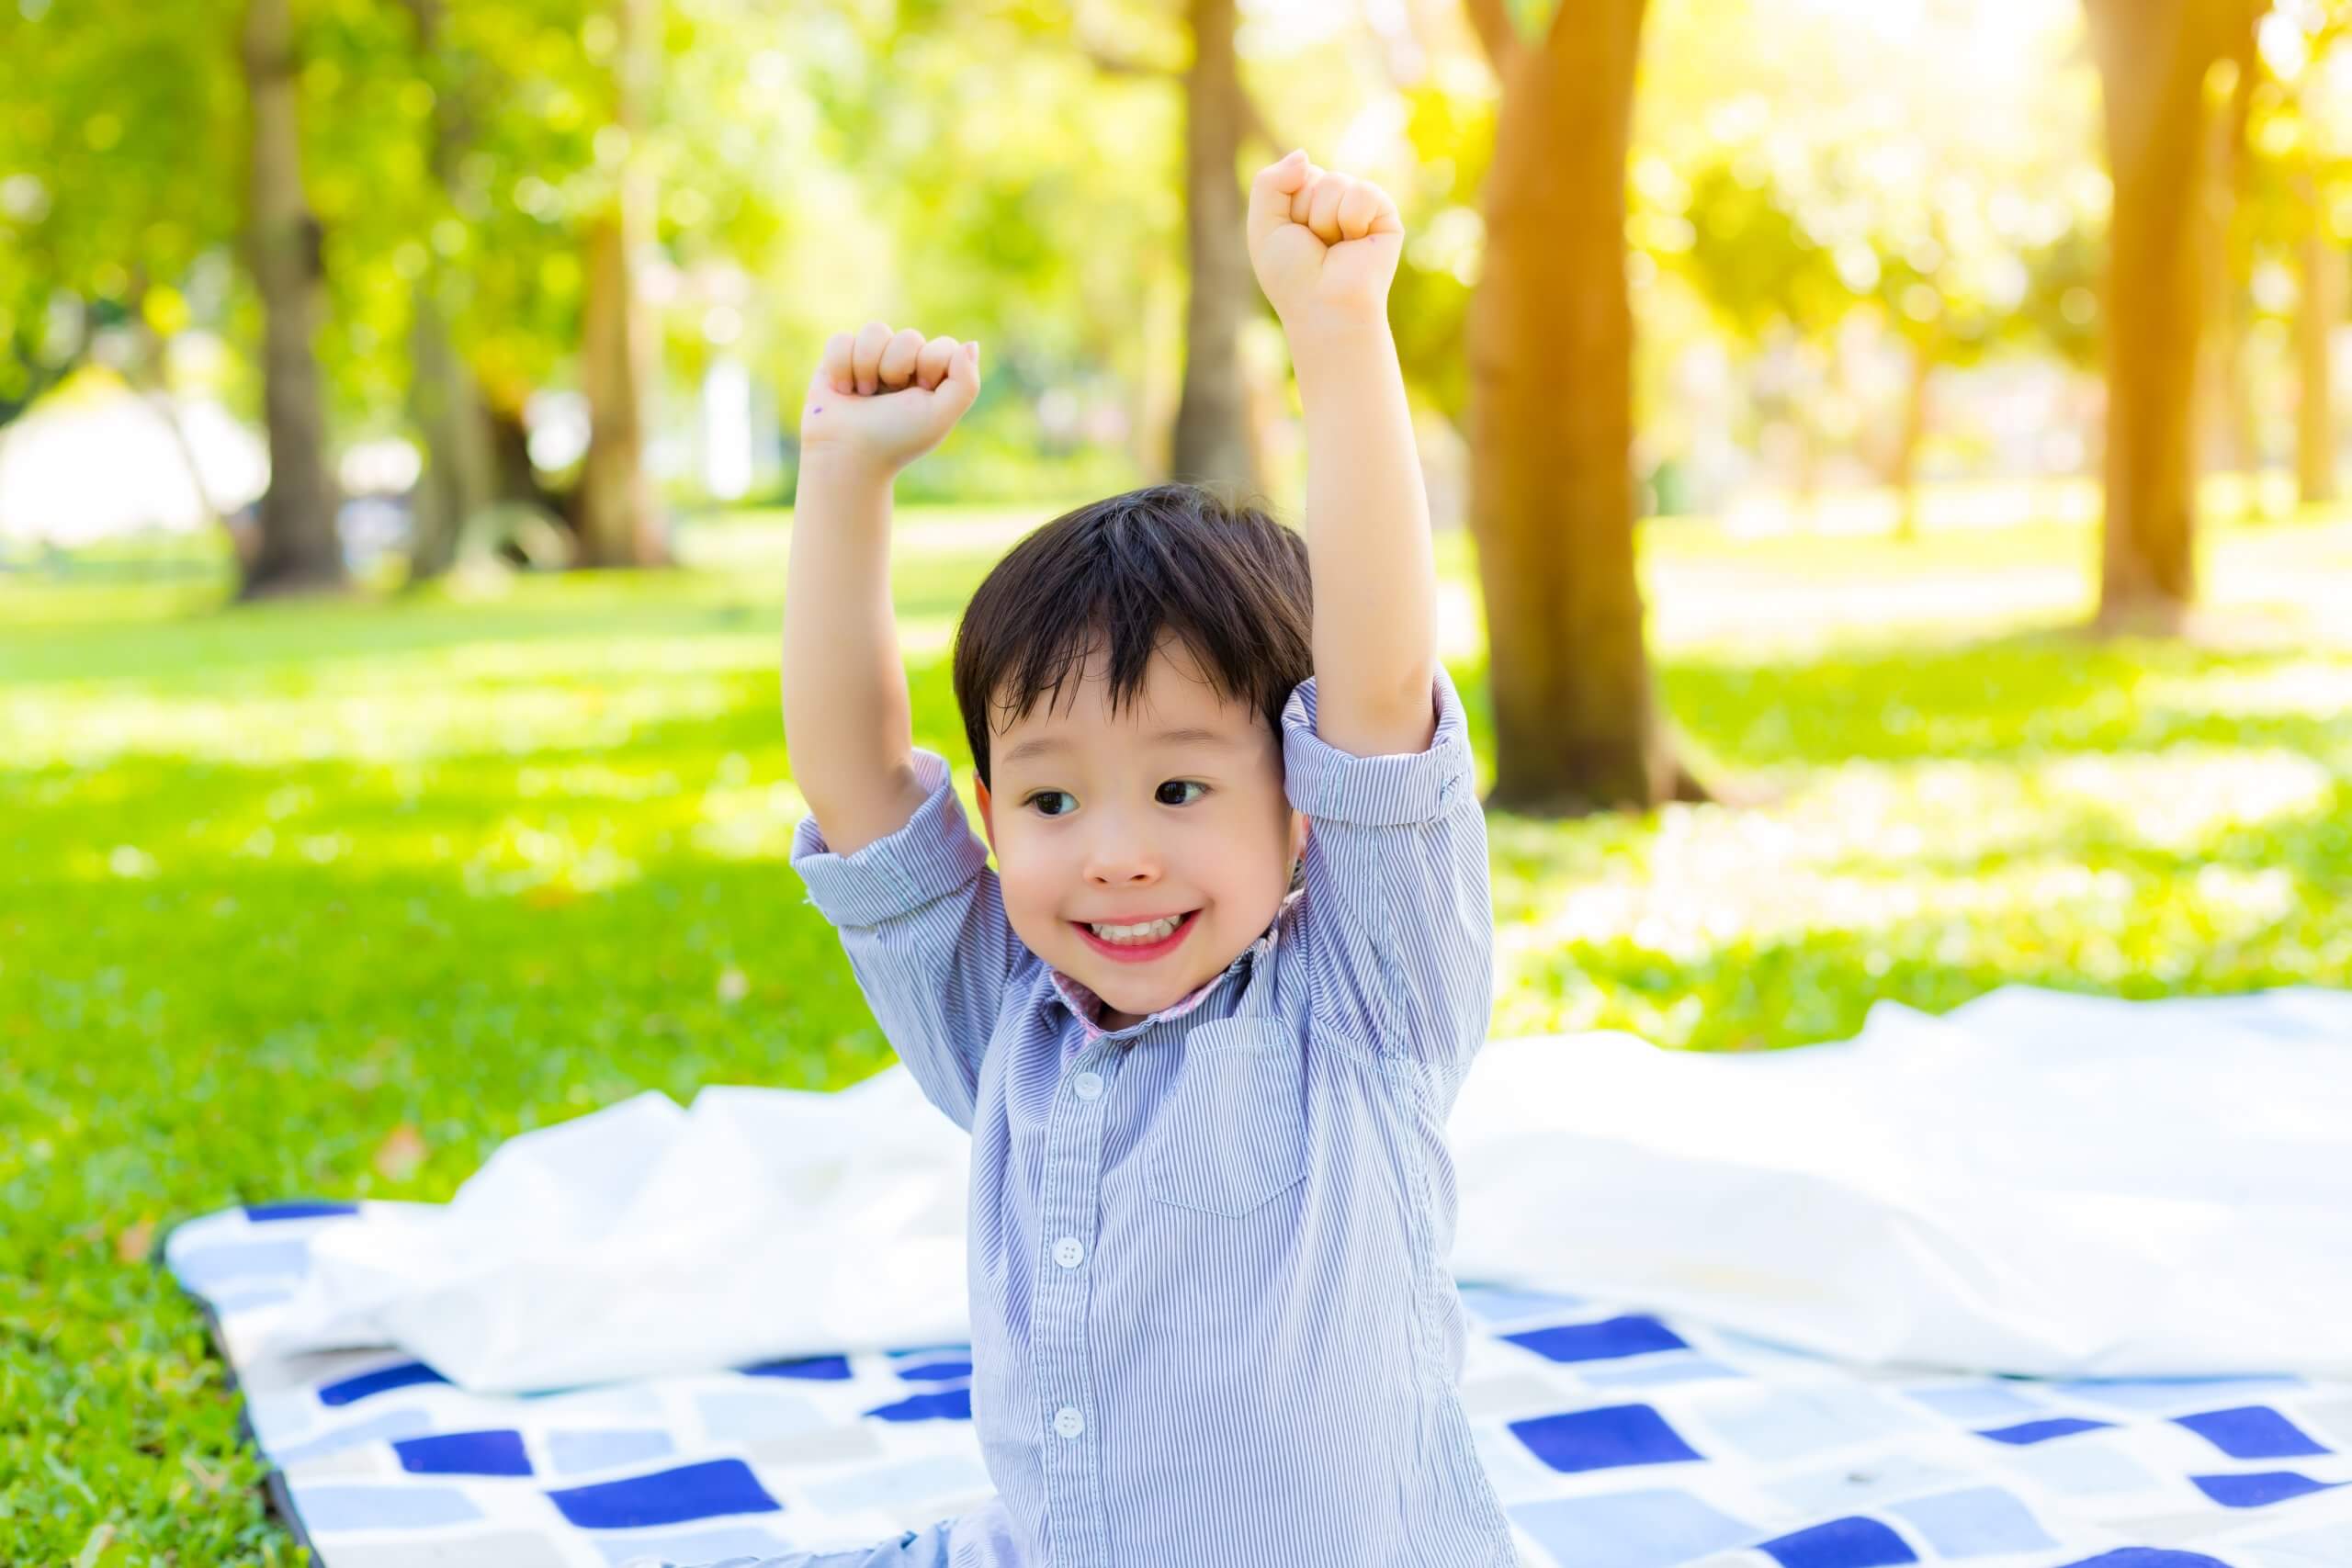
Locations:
column 448, row 416
column 1577, row 722
column 2220, row 375
column 1213, row 445
column 2315, row 321
column 2152, row 58
column 620, row 523
column 1907, row 443
column 456, row 484
column 298, row 549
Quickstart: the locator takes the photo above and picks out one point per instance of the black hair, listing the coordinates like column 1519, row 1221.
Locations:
column 1124, row 574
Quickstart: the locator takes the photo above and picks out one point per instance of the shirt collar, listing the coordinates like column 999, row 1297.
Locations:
column 1087, row 1008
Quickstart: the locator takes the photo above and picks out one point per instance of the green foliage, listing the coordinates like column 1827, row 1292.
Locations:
column 330, row 898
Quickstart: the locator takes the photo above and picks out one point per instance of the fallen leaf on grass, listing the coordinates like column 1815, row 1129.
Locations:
column 400, row 1154
column 136, row 1240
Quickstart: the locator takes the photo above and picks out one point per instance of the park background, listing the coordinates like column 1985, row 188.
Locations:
column 1882, row 452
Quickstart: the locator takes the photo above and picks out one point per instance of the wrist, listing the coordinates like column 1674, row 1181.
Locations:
column 1336, row 330
column 839, row 466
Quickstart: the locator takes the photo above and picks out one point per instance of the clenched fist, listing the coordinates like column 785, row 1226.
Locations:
column 1324, row 245
column 883, row 399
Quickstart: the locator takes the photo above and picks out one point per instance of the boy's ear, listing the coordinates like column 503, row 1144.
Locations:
column 988, row 817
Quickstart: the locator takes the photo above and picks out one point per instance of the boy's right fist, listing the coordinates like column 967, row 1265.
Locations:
column 884, row 398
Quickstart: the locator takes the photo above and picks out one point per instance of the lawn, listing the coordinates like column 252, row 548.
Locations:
column 329, row 900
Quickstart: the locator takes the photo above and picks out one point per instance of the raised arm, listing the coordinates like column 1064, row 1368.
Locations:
column 878, row 402
column 1324, row 247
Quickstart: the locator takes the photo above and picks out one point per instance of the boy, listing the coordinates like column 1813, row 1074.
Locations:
column 1205, row 1018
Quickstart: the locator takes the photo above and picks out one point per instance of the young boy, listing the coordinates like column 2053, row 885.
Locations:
column 1205, row 1018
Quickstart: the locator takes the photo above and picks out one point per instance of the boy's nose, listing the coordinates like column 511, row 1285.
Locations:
column 1124, row 867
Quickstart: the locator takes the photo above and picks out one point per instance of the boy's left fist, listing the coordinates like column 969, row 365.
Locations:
column 1324, row 244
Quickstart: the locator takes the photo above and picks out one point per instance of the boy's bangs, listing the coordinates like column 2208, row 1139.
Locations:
column 1108, row 586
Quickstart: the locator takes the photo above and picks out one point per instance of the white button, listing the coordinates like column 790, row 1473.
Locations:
column 1068, row 1421
column 1069, row 1252
column 1089, row 1086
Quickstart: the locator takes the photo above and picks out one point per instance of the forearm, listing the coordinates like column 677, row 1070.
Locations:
column 1368, row 543
column 846, row 714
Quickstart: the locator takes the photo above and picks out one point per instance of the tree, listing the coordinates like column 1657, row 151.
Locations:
column 298, row 551
column 2154, row 57
column 444, row 402
column 620, row 522
column 1578, row 726
column 1213, row 440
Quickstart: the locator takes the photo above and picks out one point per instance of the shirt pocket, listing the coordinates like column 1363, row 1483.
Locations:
column 1234, row 1131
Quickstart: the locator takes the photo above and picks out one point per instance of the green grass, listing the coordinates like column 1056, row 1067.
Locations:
column 330, row 898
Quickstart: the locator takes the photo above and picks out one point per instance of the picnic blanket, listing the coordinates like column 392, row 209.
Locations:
column 2034, row 1182
column 1616, row 1438
column 2193, row 1152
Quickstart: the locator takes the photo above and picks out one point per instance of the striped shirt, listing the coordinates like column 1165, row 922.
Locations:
column 1212, row 1319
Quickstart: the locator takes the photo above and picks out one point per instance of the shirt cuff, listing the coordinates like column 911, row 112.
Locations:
column 1376, row 791
column 935, row 853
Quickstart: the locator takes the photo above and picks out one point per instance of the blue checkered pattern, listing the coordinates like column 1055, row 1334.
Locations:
column 1614, row 1440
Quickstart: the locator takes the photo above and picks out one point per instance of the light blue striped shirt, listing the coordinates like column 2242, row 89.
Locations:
column 1212, row 1320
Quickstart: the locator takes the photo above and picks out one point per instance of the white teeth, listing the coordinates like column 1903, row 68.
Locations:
column 1152, row 931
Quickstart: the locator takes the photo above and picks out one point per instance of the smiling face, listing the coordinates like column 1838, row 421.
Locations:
column 1140, row 852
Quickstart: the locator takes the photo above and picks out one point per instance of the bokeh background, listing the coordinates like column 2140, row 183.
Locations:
column 1882, row 451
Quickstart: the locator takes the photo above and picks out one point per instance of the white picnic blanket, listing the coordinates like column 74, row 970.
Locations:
column 2036, row 1183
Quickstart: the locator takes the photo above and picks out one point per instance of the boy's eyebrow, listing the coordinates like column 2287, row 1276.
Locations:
column 1189, row 736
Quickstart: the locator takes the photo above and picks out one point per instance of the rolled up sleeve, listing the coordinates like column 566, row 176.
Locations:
column 1398, row 918
column 922, row 917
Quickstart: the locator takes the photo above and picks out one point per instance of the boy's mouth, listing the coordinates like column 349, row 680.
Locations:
column 1138, row 942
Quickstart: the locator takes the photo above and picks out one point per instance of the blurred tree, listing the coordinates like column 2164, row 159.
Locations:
column 1213, row 442
column 2156, row 60
column 620, row 522
column 2304, row 154
column 120, row 126
column 456, row 481
column 298, row 549
column 1578, row 726
column 2226, row 436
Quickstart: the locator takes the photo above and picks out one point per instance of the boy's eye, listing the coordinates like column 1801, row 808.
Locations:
column 1180, row 786
column 1042, row 799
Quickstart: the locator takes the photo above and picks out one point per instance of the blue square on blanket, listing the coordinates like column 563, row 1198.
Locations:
column 594, row 1448
column 808, row 1369
column 1854, row 1542
column 2025, row 1432
column 207, row 1270
column 727, row 1542
column 401, row 1374
column 357, row 1507
column 296, row 1209
column 1633, row 1334
column 2252, row 1431
column 707, row 1490
column 1975, row 1523
column 742, row 1415
column 1499, row 1304
column 464, row 1453
column 935, row 1372
column 941, row 1404
column 1603, row 1440
column 1774, row 1422
column 1977, row 1401
column 1659, row 1528
column 2260, row 1489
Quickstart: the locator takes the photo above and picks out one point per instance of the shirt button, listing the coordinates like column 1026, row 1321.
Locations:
column 1088, row 1085
column 1068, row 1421
column 1069, row 1252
